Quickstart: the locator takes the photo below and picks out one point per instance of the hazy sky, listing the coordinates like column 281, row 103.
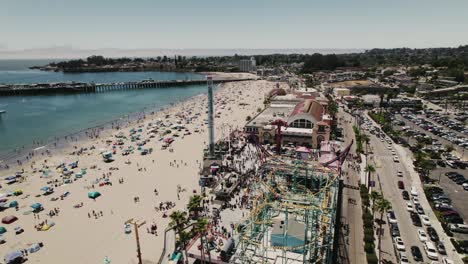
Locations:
column 140, row 24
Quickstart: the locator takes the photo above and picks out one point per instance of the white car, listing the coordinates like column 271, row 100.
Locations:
column 431, row 250
column 400, row 174
column 447, row 261
column 409, row 207
column 415, row 200
column 396, row 159
column 391, row 217
column 422, row 235
column 403, row 258
column 399, row 244
column 425, row 220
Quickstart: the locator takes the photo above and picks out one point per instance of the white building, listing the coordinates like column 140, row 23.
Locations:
column 247, row 65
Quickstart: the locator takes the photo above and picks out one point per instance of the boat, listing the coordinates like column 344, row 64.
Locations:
column 2, row 111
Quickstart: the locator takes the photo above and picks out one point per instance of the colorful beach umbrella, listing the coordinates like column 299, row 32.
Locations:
column 2, row 230
column 13, row 204
column 36, row 206
column 94, row 195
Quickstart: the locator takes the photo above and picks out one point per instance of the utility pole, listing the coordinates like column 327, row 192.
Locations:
column 137, row 225
column 138, row 243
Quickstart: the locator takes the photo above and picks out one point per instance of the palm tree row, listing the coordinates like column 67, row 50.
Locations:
column 180, row 222
column 380, row 205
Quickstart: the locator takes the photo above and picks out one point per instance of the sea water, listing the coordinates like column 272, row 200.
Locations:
column 44, row 117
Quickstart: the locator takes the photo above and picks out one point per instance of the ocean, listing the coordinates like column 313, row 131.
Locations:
column 44, row 117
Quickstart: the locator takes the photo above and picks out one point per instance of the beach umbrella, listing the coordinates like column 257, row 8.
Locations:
column 18, row 192
column 107, row 260
column 36, row 206
column 13, row 203
column 94, row 195
column 45, row 188
column 9, row 219
column 34, row 248
column 13, row 256
column 45, row 227
column 2, row 230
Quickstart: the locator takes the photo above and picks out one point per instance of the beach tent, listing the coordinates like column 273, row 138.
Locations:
column 2, row 230
column 93, row 195
column 13, row 257
column 13, row 204
column 36, row 206
column 34, row 248
column 9, row 219
column 45, row 188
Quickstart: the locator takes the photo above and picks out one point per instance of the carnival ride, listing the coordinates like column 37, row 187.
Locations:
column 292, row 219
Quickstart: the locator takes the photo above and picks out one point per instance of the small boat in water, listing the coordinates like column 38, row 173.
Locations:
column 2, row 111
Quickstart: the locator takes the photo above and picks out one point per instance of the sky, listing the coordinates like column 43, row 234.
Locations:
column 231, row 24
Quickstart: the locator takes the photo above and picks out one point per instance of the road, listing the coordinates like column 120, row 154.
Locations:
column 386, row 174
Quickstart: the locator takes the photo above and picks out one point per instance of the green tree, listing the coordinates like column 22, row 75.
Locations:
column 194, row 204
column 383, row 205
column 179, row 222
column 199, row 228
column 449, row 148
column 374, row 196
column 369, row 169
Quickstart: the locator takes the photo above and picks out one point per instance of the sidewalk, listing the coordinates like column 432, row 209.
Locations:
column 352, row 213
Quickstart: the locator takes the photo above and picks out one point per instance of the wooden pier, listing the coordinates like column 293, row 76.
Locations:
column 77, row 87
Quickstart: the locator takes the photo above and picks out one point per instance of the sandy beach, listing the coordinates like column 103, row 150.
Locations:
column 87, row 230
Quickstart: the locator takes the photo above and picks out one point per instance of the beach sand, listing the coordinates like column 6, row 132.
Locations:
column 78, row 238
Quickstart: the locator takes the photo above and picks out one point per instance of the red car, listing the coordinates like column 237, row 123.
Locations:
column 401, row 185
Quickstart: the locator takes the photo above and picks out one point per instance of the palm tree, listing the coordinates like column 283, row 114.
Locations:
column 366, row 138
column 374, row 196
column 200, row 228
column 194, row 204
column 369, row 169
column 383, row 205
column 179, row 222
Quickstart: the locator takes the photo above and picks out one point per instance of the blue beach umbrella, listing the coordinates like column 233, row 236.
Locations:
column 36, row 206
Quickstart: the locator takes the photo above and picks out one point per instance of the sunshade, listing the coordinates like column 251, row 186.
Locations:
column 36, row 206
column 2, row 230
column 9, row 219
column 10, row 257
column 13, row 203
column 93, row 195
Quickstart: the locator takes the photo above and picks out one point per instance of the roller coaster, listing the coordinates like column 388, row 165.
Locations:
column 293, row 212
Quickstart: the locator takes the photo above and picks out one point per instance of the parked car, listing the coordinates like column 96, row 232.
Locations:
column 441, row 248
column 419, row 209
column 400, row 245
column 422, row 235
column 415, row 218
column 409, row 207
column 391, row 217
column 405, row 195
column 432, row 234
column 401, row 185
column 394, row 230
column 431, row 250
column 416, row 252
column 425, row 220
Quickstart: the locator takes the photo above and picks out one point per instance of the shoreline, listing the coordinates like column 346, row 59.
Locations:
column 11, row 157
column 163, row 170
column 81, row 135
